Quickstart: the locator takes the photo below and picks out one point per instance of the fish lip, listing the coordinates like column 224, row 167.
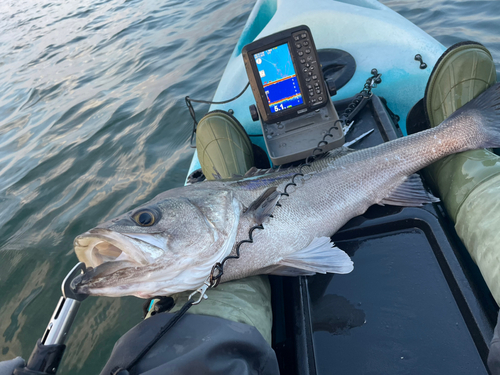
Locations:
column 99, row 235
column 90, row 279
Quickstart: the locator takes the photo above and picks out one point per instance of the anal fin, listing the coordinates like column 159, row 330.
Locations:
column 321, row 256
column 410, row 193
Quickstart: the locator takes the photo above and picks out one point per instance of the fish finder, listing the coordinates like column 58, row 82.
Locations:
column 292, row 99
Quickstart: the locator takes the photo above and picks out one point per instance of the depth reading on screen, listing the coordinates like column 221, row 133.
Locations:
column 278, row 78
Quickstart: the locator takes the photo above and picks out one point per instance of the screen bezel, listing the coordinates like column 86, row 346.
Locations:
column 261, row 86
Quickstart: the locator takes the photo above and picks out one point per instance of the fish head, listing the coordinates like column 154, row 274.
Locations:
column 165, row 246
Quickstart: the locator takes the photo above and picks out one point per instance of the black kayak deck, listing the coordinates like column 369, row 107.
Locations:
column 414, row 304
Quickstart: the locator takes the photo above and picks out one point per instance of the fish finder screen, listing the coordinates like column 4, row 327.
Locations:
column 278, row 78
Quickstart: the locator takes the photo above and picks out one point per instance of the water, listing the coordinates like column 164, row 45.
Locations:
column 93, row 123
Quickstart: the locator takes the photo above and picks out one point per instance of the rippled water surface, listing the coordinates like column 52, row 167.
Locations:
column 93, row 123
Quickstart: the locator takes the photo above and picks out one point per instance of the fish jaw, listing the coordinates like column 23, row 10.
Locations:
column 116, row 279
column 99, row 246
column 119, row 264
column 163, row 277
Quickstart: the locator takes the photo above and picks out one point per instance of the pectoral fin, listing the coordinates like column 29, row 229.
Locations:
column 410, row 193
column 321, row 256
column 263, row 206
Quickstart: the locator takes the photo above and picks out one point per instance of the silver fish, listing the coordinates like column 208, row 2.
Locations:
column 170, row 244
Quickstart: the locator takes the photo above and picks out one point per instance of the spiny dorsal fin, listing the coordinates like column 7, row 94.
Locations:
column 410, row 193
column 253, row 172
column 333, row 154
column 263, row 206
column 337, row 153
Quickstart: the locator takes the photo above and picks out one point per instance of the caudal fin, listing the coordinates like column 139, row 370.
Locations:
column 485, row 112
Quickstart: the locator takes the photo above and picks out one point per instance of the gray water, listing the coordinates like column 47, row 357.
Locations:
column 93, row 123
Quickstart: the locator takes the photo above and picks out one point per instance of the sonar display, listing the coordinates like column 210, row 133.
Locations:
column 278, row 78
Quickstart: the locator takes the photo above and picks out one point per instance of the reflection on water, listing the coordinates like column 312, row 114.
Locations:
column 330, row 312
column 93, row 123
column 335, row 314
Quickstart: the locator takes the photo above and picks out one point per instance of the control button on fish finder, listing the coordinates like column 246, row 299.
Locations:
column 253, row 112
column 314, row 76
column 296, row 37
column 306, row 43
column 308, row 50
column 302, row 61
column 298, row 45
column 301, row 53
column 303, row 35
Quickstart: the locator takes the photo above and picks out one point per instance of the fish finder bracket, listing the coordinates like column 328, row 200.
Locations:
column 293, row 100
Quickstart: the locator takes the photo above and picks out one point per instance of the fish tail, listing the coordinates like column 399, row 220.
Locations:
column 484, row 113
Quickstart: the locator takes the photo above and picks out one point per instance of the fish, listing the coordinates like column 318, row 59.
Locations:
column 171, row 243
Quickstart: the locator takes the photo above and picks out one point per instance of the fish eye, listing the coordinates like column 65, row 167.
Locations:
column 145, row 217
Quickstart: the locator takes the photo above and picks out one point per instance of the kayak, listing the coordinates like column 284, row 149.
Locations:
column 354, row 26
column 415, row 288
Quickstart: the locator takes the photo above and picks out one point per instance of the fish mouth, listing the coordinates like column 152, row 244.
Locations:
column 112, row 259
column 99, row 246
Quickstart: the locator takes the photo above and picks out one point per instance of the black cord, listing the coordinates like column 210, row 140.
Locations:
column 193, row 114
column 223, row 102
column 219, row 267
column 178, row 315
